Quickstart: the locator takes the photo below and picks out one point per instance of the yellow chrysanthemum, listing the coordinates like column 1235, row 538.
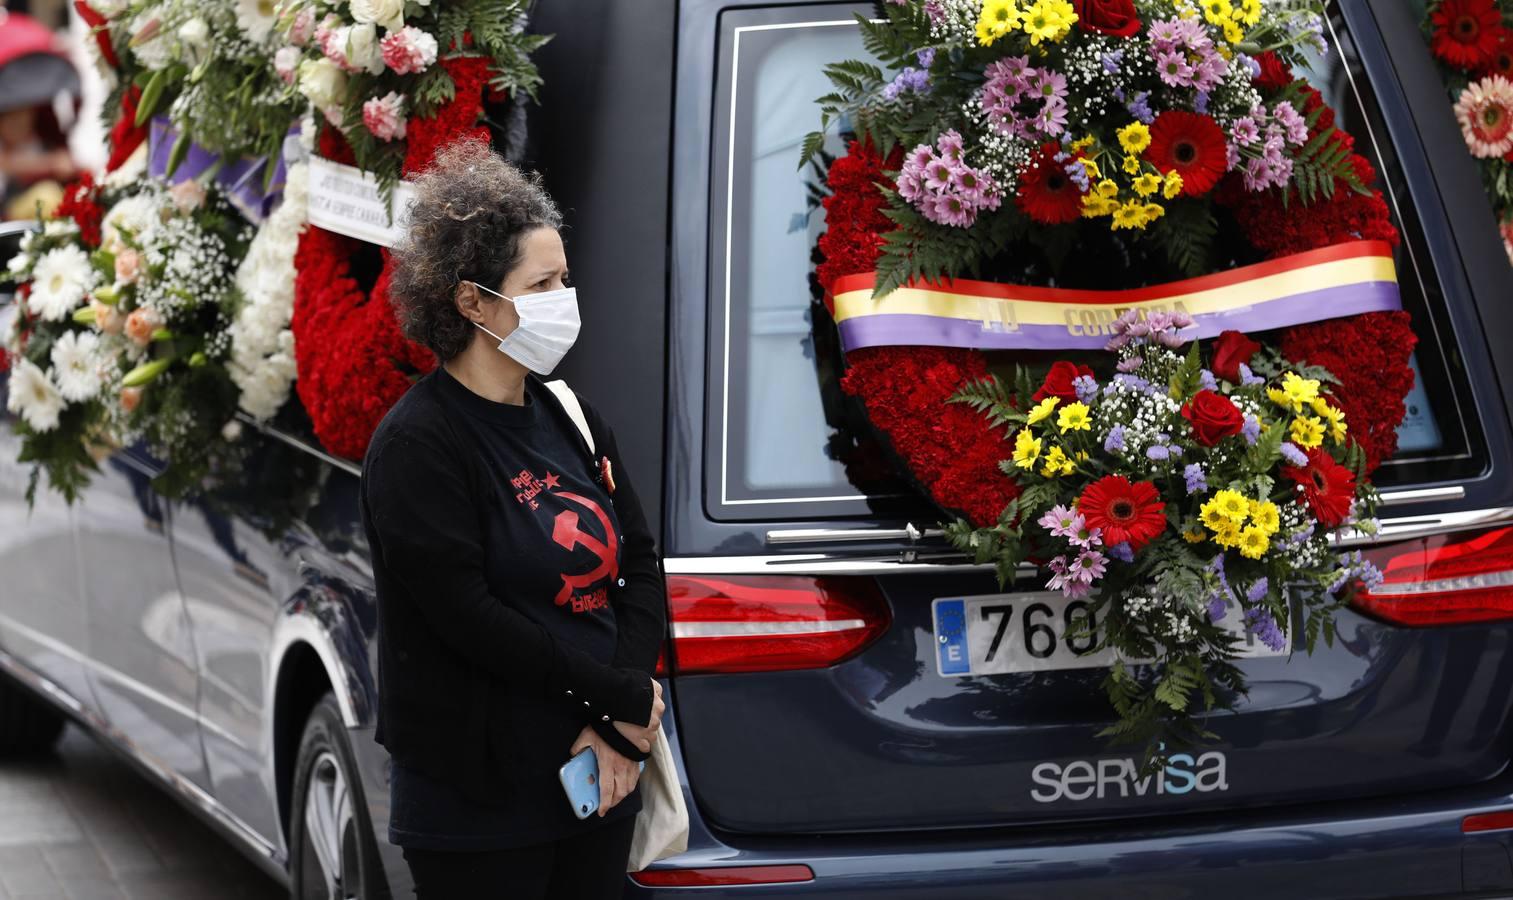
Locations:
column 1172, row 185
column 1131, row 165
column 1107, row 189
column 1130, row 214
column 1057, row 463
column 1217, row 12
column 1296, row 392
column 998, row 18
column 1026, row 449
column 1193, row 537
column 1073, row 417
column 1211, row 517
column 1134, row 138
column 1307, row 432
column 1265, row 516
column 1147, row 184
column 1253, row 542
column 1250, row 12
column 1227, row 534
column 1233, row 505
column 1090, row 166
column 1333, row 418
column 1083, row 143
column 1048, row 20
column 1233, row 33
column 1154, row 211
column 1042, row 410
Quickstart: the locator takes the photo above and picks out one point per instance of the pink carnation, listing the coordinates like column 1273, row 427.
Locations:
column 302, row 28
column 408, row 50
column 385, row 116
column 286, row 63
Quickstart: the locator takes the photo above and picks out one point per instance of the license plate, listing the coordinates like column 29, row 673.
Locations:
column 1037, row 632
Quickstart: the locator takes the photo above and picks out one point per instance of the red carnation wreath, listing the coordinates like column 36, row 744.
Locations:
column 953, row 453
column 354, row 363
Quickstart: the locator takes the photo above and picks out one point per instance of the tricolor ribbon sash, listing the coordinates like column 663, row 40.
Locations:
column 1330, row 282
column 241, row 179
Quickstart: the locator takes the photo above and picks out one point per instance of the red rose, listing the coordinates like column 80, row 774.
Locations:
column 1058, row 381
column 1115, row 17
column 1213, row 417
column 1230, row 350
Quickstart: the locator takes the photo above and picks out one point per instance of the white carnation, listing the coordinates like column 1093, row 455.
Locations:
column 388, row 13
column 262, row 346
column 323, row 83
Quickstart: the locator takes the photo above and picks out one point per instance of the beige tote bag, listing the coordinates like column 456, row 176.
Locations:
column 662, row 823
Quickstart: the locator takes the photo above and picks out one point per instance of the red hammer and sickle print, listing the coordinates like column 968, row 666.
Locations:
column 567, row 533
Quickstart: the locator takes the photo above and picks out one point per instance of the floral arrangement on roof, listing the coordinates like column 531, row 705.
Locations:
column 1473, row 43
column 1188, row 503
column 122, row 336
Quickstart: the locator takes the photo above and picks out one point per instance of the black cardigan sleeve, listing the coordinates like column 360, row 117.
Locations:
column 427, row 528
column 641, row 604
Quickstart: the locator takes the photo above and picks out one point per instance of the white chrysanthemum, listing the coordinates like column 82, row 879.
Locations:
column 59, row 281
column 134, row 214
column 76, row 365
column 34, row 397
column 262, row 346
column 1485, row 113
column 256, row 18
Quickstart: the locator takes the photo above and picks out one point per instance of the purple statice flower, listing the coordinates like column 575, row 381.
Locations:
column 1086, row 387
column 1293, row 454
column 1135, row 382
column 1194, row 479
column 1112, row 61
column 926, row 57
column 1258, row 590
column 1114, row 443
column 1217, row 608
column 1060, row 521
column 1140, row 107
column 1200, row 103
column 1119, row 93
column 1217, row 567
column 1122, row 551
column 1089, row 565
column 1250, row 64
column 1369, row 574
column 1248, row 377
column 1130, row 365
column 1300, row 537
column 1207, row 380
column 1251, row 430
column 1259, row 622
column 1341, row 579
column 1158, row 452
column 1245, row 131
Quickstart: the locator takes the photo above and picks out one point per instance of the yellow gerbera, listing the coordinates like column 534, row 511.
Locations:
column 1253, row 542
column 1147, row 184
column 1134, row 137
column 1307, row 432
column 1026, row 449
column 1073, row 417
column 1042, row 410
column 999, row 17
column 1172, row 186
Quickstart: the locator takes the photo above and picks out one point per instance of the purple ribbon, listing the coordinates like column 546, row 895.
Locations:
column 241, row 180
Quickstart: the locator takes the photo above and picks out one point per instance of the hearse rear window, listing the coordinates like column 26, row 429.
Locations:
column 783, row 441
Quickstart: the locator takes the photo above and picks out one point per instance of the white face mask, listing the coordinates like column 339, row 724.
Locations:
column 548, row 327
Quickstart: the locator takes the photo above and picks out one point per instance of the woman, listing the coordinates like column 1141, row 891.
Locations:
column 521, row 605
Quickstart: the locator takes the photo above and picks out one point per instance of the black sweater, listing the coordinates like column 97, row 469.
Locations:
column 507, row 621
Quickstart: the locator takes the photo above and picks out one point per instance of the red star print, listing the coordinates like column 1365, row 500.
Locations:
column 550, row 481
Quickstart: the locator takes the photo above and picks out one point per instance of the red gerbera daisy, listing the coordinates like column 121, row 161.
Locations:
column 1046, row 193
column 1466, row 32
column 1327, row 486
column 1500, row 62
column 1191, row 144
column 1126, row 512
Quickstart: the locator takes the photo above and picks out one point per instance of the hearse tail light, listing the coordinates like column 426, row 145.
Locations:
column 766, row 623
column 1446, row 579
column 722, row 876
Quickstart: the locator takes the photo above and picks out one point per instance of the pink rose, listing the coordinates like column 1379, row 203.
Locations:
column 187, row 195
column 286, row 63
column 130, row 398
column 142, row 323
column 302, row 28
column 385, row 116
column 128, row 266
column 107, row 318
column 408, row 50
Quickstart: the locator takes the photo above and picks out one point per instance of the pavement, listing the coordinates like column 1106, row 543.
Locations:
column 82, row 824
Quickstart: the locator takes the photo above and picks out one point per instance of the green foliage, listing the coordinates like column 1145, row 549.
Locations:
column 1186, row 234
column 990, row 397
column 1324, row 160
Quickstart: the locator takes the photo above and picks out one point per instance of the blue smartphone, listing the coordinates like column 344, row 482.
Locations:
column 580, row 779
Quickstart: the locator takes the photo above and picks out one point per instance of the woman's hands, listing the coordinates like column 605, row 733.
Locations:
column 617, row 775
column 643, row 735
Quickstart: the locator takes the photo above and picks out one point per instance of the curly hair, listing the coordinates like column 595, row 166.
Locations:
column 469, row 214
